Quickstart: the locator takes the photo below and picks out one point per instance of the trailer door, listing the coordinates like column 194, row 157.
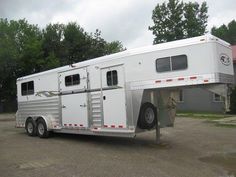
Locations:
column 114, row 106
column 73, row 88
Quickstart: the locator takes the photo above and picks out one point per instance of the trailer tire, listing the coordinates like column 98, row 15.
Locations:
column 42, row 131
column 147, row 116
column 30, row 127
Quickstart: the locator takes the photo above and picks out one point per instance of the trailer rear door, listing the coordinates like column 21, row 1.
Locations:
column 73, row 86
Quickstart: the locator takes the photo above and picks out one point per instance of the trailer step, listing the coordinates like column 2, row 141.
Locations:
column 96, row 116
column 96, row 106
column 96, row 102
column 96, row 98
column 96, row 109
column 97, row 120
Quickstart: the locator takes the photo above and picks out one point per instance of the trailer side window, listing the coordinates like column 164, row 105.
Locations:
column 179, row 62
column 163, row 64
column 112, row 78
column 27, row 88
column 172, row 63
column 72, row 80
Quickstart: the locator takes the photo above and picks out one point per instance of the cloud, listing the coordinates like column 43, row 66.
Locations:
column 124, row 20
column 36, row 12
column 221, row 12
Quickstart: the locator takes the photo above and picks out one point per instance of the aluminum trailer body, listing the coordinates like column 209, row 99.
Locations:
column 123, row 93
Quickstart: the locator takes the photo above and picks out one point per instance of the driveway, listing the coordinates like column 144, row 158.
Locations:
column 192, row 148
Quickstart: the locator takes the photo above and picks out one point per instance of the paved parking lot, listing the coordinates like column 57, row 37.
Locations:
column 192, row 148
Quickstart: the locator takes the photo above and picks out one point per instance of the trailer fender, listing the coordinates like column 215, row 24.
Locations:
column 48, row 121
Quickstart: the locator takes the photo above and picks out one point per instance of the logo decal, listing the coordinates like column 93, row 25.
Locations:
column 225, row 59
column 47, row 93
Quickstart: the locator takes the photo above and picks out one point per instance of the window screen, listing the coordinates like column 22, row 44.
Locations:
column 72, row 80
column 112, row 78
column 27, row 88
column 163, row 64
column 179, row 62
column 172, row 63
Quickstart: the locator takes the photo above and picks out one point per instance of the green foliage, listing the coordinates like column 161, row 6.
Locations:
column 202, row 115
column 18, row 41
column 177, row 20
column 195, row 19
column 52, row 42
column 113, row 47
column 226, row 32
column 76, row 43
column 26, row 49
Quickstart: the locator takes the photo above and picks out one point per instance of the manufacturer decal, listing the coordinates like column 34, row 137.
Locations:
column 47, row 93
column 225, row 59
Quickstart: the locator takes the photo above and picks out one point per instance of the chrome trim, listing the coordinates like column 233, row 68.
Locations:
column 88, row 90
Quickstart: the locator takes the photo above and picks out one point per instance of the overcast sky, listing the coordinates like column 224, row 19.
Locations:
column 124, row 20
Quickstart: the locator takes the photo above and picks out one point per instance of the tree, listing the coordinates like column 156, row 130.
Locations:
column 8, row 60
column 167, row 21
column 195, row 22
column 177, row 20
column 26, row 49
column 97, row 45
column 114, row 47
column 101, row 47
column 75, row 42
column 53, row 49
column 20, row 54
column 80, row 46
column 226, row 32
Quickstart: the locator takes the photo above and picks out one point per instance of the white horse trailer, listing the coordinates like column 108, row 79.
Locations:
column 123, row 93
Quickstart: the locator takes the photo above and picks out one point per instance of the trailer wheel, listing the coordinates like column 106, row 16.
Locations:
column 147, row 116
column 30, row 127
column 42, row 129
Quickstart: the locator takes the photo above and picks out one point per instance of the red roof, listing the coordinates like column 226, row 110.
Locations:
column 234, row 52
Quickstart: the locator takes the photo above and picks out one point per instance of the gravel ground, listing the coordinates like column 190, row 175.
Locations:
column 193, row 148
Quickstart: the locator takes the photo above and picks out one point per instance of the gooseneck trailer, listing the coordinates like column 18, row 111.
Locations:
column 123, row 93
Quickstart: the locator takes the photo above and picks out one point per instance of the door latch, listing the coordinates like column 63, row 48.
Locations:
column 83, row 105
column 63, row 106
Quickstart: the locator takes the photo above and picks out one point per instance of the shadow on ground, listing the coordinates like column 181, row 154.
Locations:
column 112, row 141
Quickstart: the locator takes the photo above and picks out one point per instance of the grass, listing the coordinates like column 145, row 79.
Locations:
column 203, row 115
column 225, row 125
column 209, row 117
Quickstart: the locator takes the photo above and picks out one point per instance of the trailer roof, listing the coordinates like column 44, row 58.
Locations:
column 136, row 51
